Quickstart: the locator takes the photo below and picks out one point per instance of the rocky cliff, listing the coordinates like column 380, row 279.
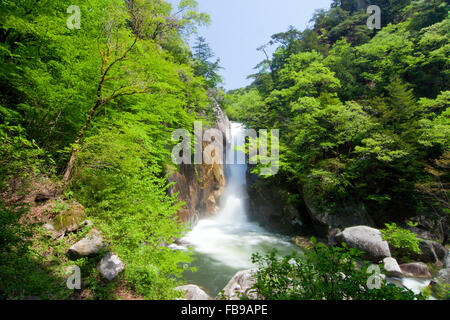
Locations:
column 201, row 186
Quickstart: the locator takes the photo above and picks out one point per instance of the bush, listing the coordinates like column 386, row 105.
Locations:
column 322, row 273
column 403, row 242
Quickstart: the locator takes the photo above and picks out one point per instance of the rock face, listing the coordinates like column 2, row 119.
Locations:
column 240, row 284
column 415, row 270
column 110, row 266
column 201, row 186
column 193, row 292
column 346, row 214
column 392, row 268
column 89, row 245
column 365, row 239
column 270, row 205
column 431, row 251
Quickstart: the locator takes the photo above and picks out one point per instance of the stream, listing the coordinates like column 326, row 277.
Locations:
column 224, row 243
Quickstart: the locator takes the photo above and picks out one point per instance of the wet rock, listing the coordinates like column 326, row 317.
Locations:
column 241, row 284
column 110, row 266
column 270, row 204
column 415, row 270
column 89, row 245
column 365, row 239
column 392, row 268
column 193, row 292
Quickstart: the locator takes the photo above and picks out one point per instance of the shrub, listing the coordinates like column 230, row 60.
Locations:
column 403, row 242
column 321, row 273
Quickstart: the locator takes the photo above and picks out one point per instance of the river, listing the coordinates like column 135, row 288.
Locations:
column 224, row 244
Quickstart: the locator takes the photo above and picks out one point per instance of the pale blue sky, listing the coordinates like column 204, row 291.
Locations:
column 240, row 26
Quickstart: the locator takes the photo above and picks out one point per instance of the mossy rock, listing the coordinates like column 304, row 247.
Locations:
column 70, row 219
column 302, row 242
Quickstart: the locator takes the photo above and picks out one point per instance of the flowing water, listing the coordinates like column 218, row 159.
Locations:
column 224, row 243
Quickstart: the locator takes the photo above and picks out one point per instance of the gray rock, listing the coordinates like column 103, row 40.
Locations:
column 49, row 227
column 110, row 266
column 366, row 239
column 240, row 284
column 447, row 260
column 431, row 251
column 415, row 270
column 444, row 275
column 345, row 214
column 193, row 292
column 392, row 268
column 440, row 285
column 90, row 244
column 87, row 223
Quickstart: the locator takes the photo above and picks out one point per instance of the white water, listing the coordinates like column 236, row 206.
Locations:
column 224, row 243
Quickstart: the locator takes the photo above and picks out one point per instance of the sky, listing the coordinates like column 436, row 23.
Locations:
column 240, row 26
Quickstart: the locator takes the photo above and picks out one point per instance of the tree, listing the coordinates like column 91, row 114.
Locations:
column 116, row 42
column 202, row 64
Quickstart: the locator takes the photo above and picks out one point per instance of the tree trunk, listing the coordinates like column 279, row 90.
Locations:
column 73, row 155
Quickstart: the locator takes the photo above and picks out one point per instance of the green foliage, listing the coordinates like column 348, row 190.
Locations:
column 118, row 87
column 119, row 177
column 323, row 272
column 362, row 114
column 19, row 157
column 202, row 66
column 24, row 271
column 402, row 241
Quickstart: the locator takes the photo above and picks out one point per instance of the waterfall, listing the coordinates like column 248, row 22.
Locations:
column 224, row 243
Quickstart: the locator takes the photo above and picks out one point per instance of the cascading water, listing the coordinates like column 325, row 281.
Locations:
column 223, row 244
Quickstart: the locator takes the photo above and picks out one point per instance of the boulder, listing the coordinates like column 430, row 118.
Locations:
column 193, row 292
column 444, row 274
column 366, row 239
column 431, row 251
column 447, row 260
column 90, row 244
column 392, row 268
column 110, row 266
column 415, row 270
column 241, row 283
column 70, row 219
